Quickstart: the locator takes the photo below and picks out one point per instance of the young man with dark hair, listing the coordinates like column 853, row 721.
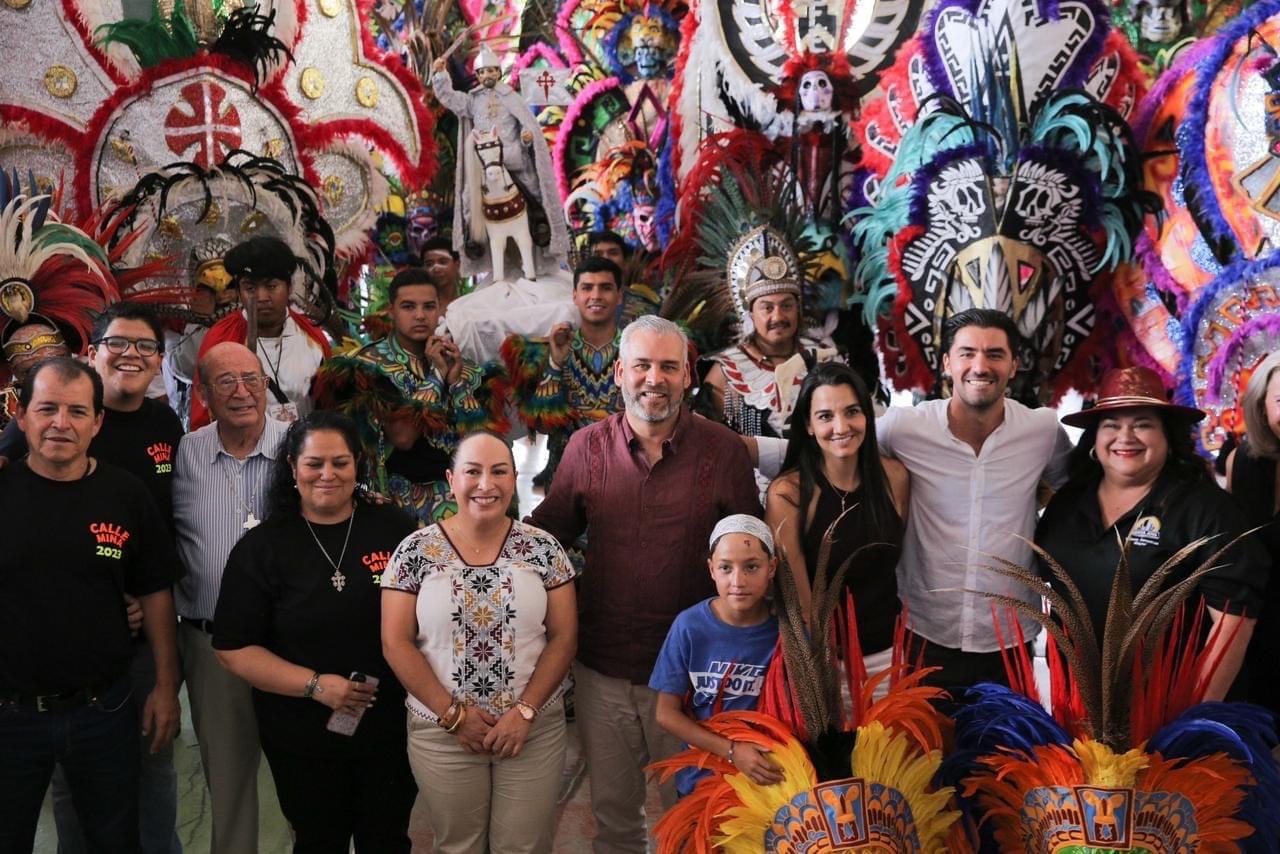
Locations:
column 608, row 244
column 290, row 346
column 443, row 266
column 976, row 460
column 412, row 395
column 565, row 381
column 66, row 697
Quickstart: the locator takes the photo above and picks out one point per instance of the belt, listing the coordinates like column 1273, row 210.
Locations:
column 53, row 702
column 205, row 626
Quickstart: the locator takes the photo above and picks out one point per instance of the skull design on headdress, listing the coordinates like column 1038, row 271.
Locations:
column 815, row 91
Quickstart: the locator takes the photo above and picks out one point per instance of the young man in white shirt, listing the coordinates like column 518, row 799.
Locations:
column 976, row 461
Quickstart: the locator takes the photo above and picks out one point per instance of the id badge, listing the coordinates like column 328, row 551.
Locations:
column 285, row 412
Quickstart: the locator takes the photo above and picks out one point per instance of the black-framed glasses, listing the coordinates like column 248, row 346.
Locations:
column 227, row 383
column 119, row 345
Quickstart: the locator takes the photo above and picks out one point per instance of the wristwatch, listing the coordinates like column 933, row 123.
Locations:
column 527, row 711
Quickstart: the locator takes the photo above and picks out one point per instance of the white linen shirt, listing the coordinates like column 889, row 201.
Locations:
column 966, row 508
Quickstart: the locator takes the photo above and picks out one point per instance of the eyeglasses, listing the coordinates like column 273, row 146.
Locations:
column 227, row 384
column 119, row 345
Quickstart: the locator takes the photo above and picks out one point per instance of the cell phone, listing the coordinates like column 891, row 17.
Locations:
column 344, row 723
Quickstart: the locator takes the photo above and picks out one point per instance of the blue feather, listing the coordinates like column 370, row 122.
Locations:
column 1246, row 733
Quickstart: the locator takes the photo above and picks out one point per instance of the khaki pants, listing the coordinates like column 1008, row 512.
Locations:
column 222, row 712
column 620, row 736
column 478, row 802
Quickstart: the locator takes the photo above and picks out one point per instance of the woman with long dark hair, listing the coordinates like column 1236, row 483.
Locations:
column 299, row 619
column 834, row 479
column 1139, row 491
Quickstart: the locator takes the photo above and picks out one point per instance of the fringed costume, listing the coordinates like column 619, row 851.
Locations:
column 381, row 383
column 1201, row 302
column 557, row 401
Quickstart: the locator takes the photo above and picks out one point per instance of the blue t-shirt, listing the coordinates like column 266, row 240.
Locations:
column 705, row 658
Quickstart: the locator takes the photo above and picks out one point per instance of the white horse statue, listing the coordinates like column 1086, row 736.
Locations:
column 503, row 206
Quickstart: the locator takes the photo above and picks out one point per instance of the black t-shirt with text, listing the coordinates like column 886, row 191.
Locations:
column 278, row 592
column 143, row 442
column 72, row 549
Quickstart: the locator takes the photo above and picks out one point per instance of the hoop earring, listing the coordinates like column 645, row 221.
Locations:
column 1093, row 454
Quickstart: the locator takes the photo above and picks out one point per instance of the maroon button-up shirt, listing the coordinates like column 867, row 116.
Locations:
column 647, row 545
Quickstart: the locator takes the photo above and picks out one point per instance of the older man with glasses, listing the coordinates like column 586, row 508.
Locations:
column 290, row 346
column 221, row 489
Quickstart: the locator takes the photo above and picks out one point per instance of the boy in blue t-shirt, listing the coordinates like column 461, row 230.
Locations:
column 720, row 648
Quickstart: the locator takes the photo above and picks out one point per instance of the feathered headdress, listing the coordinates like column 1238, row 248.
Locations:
column 1014, row 184
column 1131, row 757
column 183, row 210
column 50, row 272
column 739, row 186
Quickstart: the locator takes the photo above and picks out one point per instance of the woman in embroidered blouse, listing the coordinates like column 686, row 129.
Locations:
column 483, row 646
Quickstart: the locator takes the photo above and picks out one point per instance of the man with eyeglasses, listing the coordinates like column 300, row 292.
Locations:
column 289, row 345
column 220, row 492
column 140, row 435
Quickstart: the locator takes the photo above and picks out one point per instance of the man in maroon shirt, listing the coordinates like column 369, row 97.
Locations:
column 650, row 483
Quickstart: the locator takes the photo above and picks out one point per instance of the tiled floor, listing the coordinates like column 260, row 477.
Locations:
column 575, row 825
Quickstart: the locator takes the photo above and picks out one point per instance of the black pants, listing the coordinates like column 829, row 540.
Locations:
column 328, row 800
column 961, row 669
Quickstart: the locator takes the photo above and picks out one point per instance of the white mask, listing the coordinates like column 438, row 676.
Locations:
column 815, row 91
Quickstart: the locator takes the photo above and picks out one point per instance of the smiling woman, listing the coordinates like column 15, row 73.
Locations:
column 298, row 618
column 483, row 642
column 1138, row 485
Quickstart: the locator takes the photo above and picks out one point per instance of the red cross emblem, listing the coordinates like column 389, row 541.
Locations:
column 545, row 81
column 205, row 120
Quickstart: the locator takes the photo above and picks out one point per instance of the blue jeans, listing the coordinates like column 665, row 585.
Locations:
column 97, row 746
column 157, row 782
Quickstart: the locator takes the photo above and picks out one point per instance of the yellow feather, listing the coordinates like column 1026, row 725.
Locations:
column 744, row 827
column 892, row 759
column 1103, row 767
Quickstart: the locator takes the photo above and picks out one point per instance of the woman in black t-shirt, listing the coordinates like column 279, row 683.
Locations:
column 299, row 618
column 1252, row 475
column 1136, row 478
column 833, row 469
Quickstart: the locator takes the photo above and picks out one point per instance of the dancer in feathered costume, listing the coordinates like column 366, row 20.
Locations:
column 412, row 396
column 1012, row 185
column 1130, row 759
column 54, row 276
column 854, row 779
column 747, row 275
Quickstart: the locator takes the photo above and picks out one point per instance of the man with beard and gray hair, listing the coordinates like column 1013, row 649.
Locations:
column 650, row 482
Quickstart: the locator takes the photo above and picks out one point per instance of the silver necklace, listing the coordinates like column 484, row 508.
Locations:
column 339, row 580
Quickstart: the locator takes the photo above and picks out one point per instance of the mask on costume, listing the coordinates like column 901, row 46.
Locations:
column 649, row 45
column 644, row 220
column 815, row 91
column 1161, row 21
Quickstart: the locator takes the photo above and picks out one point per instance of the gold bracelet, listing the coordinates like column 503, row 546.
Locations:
column 450, row 715
column 730, row 756
column 462, row 716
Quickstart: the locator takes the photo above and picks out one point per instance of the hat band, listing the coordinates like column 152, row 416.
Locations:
column 1130, row 400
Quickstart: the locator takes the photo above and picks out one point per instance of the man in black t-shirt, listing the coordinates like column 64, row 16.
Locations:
column 80, row 535
column 140, row 435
